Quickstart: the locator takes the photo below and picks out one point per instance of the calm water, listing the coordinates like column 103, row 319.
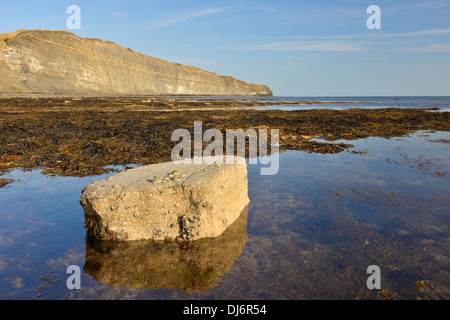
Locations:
column 310, row 232
column 442, row 103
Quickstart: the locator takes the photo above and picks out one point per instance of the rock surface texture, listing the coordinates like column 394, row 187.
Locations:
column 166, row 202
column 42, row 61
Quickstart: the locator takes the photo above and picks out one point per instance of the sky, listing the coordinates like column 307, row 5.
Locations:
column 297, row 48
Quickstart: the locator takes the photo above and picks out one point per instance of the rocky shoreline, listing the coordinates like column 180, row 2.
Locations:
column 82, row 137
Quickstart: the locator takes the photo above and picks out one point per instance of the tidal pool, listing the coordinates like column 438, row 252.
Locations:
column 309, row 232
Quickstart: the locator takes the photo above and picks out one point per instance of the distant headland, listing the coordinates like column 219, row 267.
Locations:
column 59, row 62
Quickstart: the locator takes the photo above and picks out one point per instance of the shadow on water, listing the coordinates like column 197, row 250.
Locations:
column 190, row 266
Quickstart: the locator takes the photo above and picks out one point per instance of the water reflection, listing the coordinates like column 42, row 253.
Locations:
column 313, row 229
column 195, row 266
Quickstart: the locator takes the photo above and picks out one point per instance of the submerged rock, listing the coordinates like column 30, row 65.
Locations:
column 166, row 202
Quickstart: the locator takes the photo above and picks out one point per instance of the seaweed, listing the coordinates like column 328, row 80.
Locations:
column 89, row 136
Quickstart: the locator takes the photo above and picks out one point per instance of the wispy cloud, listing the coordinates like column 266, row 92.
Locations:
column 164, row 23
column 356, row 43
column 377, row 35
column 120, row 15
column 180, row 17
column 437, row 47
column 419, row 33
column 255, row 8
column 327, row 46
column 432, row 4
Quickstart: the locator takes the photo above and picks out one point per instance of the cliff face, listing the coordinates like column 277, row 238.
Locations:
column 61, row 62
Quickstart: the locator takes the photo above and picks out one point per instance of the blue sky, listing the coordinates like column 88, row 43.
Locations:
column 298, row 48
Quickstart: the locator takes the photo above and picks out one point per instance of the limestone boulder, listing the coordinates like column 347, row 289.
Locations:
column 166, row 201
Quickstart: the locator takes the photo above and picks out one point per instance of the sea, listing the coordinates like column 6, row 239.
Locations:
column 315, row 230
column 442, row 103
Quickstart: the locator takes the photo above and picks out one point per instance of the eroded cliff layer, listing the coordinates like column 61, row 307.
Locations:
column 60, row 62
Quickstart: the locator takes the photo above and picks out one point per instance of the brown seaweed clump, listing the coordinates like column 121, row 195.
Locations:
column 4, row 182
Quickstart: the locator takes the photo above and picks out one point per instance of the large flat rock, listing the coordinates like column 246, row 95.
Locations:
column 166, row 202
